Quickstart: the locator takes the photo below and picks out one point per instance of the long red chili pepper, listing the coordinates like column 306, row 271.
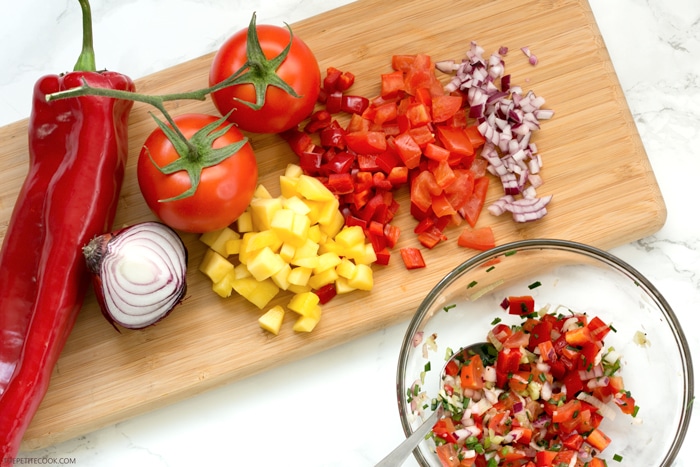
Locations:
column 77, row 153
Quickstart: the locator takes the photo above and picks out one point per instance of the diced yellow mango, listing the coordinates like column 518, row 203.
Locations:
column 312, row 188
column 305, row 324
column 288, row 186
column 261, row 192
column 215, row 266
column 244, row 223
column 304, row 303
column 308, row 249
column 287, row 252
column 294, row 288
column 296, row 204
column 243, row 249
column 216, row 240
column 233, row 246
column 366, row 254
column 363, row 278
column 350, row 236
column 316, row 281
column 330, row 246
column 342, row 286
column 262, row 239
column 333, row 222
column 310, row 262
column 315, row 208
column 293, row 171
column 326, row 261
column 314, row 233
column 259, row 293
column 241, row 271
column 263, row 210
column 281, row 277
column 346, row 268
column 299, row 276
column 329, row 212
column 264, row 263
column 224, row 287
column 271, row 320
column 290, row 227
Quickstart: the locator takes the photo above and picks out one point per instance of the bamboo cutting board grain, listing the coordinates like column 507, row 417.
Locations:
column 604, row 192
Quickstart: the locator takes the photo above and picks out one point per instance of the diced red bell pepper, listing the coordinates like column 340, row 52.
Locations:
column 408, row 150
column 455, row 140
column 392, row 84
column 354, row 104
column 366, row 142
column 472, row 208
column 478, row 239
column 522, row 305
column 444, row 107
column 412, row 258
column 326, row 293
column 340, row 183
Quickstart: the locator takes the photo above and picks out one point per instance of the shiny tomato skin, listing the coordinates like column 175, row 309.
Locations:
column 281, row 111
column 224, row 192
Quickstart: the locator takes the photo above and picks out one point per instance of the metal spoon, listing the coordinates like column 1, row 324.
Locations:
column 487, row 352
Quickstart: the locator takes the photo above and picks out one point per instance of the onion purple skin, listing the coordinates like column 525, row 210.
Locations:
column 100, row 248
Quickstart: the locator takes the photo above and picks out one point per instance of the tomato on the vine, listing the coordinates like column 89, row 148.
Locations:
column 204, row 193
column 264, row 63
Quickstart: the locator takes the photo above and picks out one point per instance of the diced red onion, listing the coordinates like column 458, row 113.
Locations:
column 139, row 273
column 417, row 338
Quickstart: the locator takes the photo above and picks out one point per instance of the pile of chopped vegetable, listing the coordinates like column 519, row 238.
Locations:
column 539, row 402
column 440, row 140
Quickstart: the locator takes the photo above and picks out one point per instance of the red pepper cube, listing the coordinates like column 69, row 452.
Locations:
column 523, row 305
column 412, row 258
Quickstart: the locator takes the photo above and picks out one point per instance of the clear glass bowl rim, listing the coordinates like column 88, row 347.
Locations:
column 552, row 244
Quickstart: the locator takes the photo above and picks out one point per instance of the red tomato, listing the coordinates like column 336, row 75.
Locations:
column 281, row 110
column 225, row 189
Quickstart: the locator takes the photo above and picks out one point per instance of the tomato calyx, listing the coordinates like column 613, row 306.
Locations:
column 197, row 153
column 258, row 70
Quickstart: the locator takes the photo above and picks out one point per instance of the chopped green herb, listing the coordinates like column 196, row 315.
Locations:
column 491, row 269
column 427, row 366
column 534, row 285
column 510, row 253
column 472, row 284
column 449, row 307
column 617, row 458
column 495, row 321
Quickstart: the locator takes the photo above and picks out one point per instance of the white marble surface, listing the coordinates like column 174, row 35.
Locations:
column 339, row 408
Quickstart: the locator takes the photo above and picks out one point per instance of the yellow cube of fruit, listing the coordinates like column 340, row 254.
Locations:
column 350, row 236
column 244, row 223
column 346, row 268
column 299, row 276
column 293, row 288
column 365, row 254
column 363, row 278
column 290, row 227
column 215, row 266
column 262, row 239
column 241, row 271
column 333, row 222
column 295, row 204
column 287, row 252
column 315, row 234
column 272, row 320
column 326, row 261
column 261, row 192
column 305, row 324
column 233, row 246
column 216, row 240
column 304, row 303
column 293, row 171
column 308, row 249
column 259, row 293
column 281, row 277
column 288, row 186
column 342, row 286
column 316, row 281
column 264, row 263
column 329, row 212
column 263, row 210
column 224, row 287
column 312, row 188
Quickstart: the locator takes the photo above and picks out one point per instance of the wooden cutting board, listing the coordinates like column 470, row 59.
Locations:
column 604, row 190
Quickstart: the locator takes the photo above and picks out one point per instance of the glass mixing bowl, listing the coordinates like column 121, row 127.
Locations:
column 656, row 362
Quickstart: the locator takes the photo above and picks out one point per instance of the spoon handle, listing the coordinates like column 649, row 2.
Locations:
column 403, row 450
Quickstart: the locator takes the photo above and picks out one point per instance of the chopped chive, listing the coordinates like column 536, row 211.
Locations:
column 534, row 285
column 495, row 321
column 449, row 307
column 427, row 366
column 635, row 411
column 617, row 458
column 612, row 328
column 472, row 284
column 510, row 253
column 491, row 268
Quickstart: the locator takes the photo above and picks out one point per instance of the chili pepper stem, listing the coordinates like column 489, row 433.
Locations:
column 86, row 60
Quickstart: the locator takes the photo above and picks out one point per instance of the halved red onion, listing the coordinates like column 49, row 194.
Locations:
column 139, row 273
